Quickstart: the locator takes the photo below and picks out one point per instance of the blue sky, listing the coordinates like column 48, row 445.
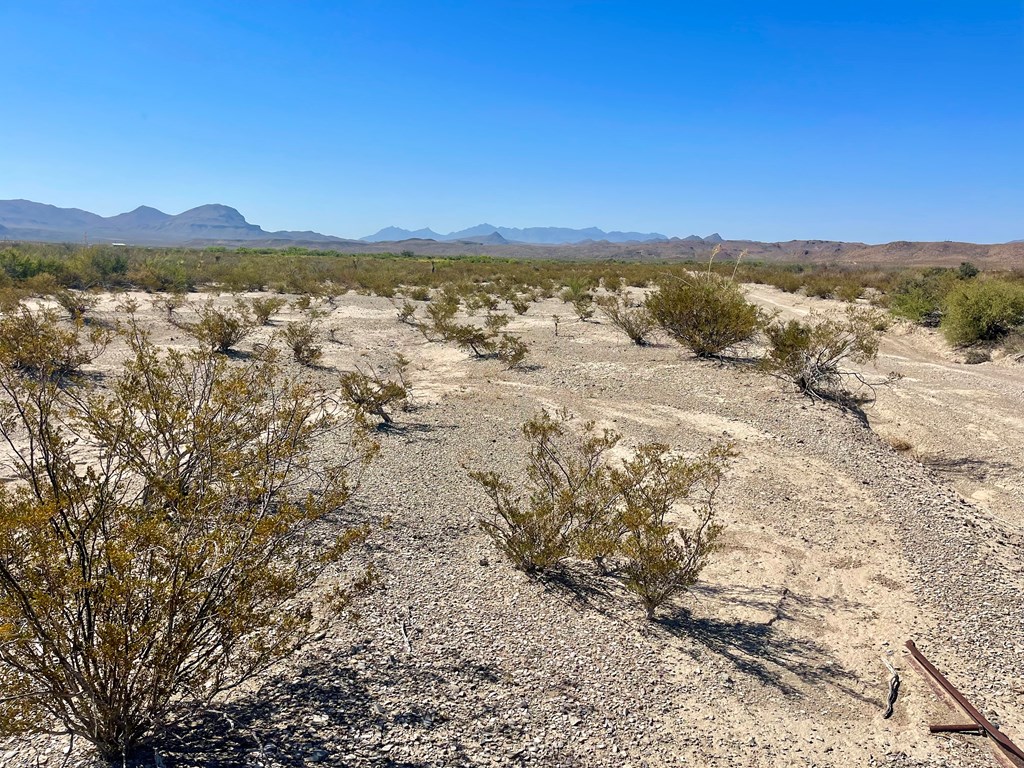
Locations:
column 862, row 120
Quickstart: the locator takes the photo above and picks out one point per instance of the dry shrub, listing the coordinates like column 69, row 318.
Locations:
column 899, row 445
column 263, row 308
column 814, row 355
column 37, row 345
column 220, row 329
column 170, row 303
column 634, row 321
column 577, row 503
column 301, row 336
column 370, row 396
column 76, row 303
column 519, row 305
column 158, row 547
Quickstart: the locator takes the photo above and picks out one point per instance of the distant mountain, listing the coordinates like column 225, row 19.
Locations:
column 26, row 220
column 530, row 235
column 397, row 233
column 494, row 238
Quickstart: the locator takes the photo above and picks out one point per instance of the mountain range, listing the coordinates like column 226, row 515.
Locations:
column 489, row 233
column 26, row 220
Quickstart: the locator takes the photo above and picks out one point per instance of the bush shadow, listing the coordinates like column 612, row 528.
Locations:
column 761, row 648
column 321, row 713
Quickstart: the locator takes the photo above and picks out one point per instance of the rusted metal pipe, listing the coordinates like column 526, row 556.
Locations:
column 990, row 730
column 972, row 728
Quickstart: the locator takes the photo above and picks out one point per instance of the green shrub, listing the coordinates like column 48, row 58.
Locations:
column 982, row 310
column 512, row 351
column 567, row 491
column 519, row 305
column 921, row 298
column 660, row 559
column 407, row 313
column 579, row 297
column 704, row 312
column 419, row 293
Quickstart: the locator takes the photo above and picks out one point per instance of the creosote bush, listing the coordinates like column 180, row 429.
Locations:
column 579, row 504
column 371, row 397
column 488, row 341
column 814, row 355
column 220, row 329
column 265, row 307
column 76, row 303
column 158, row 547
column 577, row 294
column 634, row 321
column 978, row 310
column 35, row 343
column 705, row 312
column 301, row 336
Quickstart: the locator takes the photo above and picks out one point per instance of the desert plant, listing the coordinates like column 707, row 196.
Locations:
column 157, row 548
column 512, row 351
column 814, row 354
column 263, row 308
column 34, row 343
column 705, row 312
column 301, row 337
column 220, row 329
column 169, row 303
column 660, row 559
column 982, row 310
column 567, row 492
column 370, row 397
column 578, row 504
column 519, row 305
column 920, row 297
column 967, row 270
column 577, row 294
column 635, row 322
column 419, row 293
column 407, row 313
column 76, row 303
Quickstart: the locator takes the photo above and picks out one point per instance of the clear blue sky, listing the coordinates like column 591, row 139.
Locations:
column 856, row 120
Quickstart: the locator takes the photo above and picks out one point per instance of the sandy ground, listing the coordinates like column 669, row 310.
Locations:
column 838, row 549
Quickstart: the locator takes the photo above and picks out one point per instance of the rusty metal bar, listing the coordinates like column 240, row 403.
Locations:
column 994, row 733
column 973, row 728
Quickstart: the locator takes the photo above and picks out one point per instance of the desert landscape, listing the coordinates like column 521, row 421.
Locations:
column 846, row 533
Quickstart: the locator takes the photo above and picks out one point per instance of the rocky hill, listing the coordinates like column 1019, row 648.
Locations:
column 27, row 220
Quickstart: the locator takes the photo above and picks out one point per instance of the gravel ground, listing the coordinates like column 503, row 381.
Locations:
column 837, row 550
